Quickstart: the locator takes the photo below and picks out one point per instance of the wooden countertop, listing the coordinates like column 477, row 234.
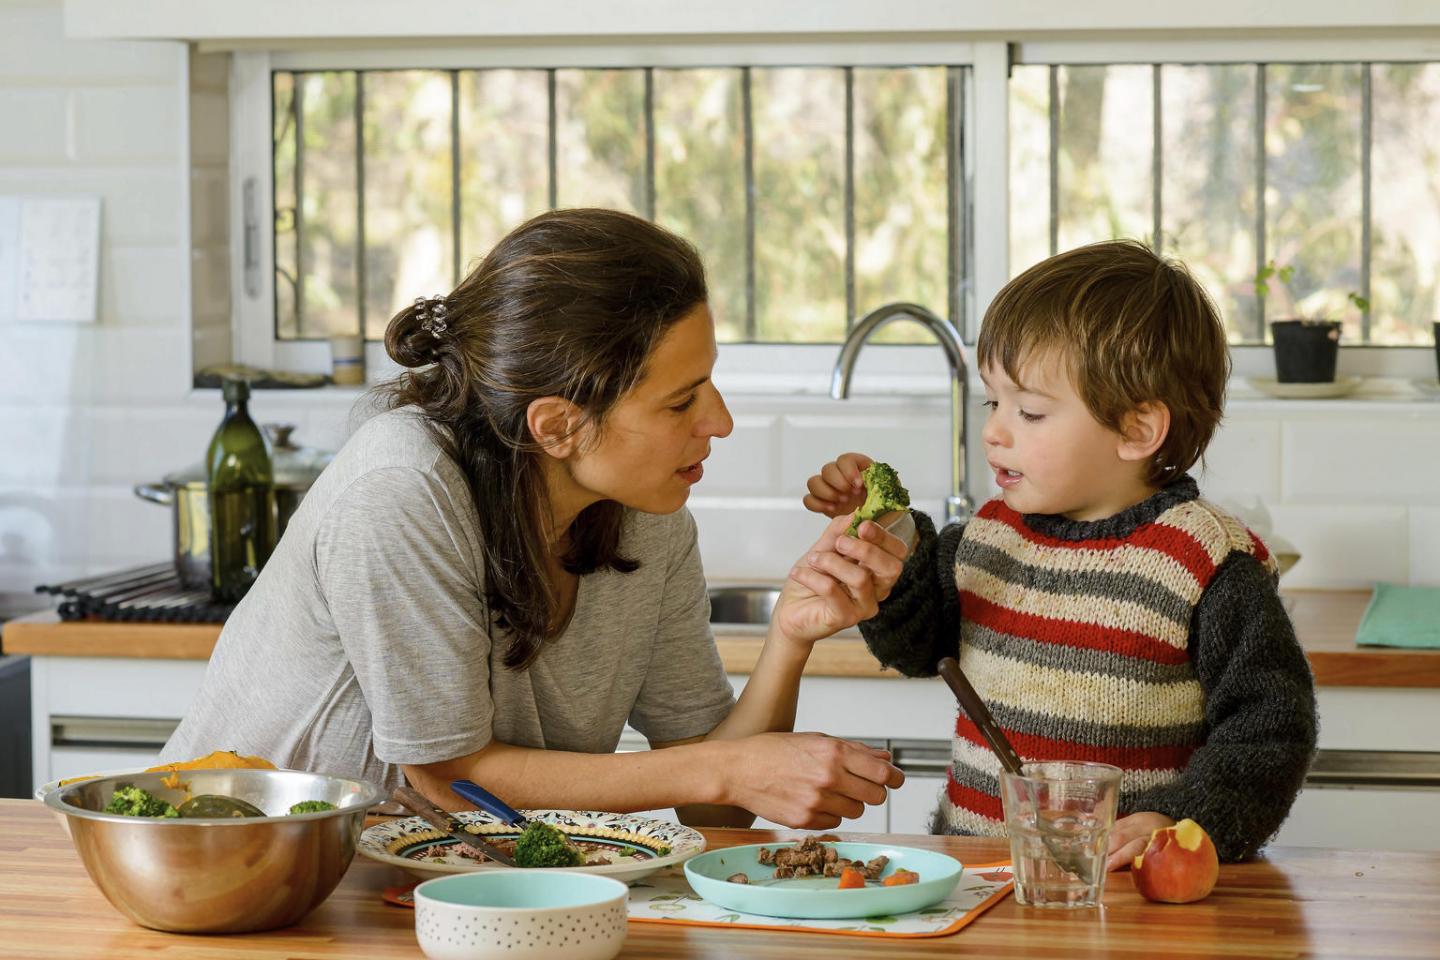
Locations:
column 1325, row 621
column 1290, row 903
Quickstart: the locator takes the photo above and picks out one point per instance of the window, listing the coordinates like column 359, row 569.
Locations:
column 815, row 194
column 1326, row 168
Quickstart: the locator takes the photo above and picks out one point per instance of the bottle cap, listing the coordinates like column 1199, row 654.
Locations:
column 235, row 391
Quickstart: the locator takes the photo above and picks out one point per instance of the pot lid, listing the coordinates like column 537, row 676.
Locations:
column 295, row 467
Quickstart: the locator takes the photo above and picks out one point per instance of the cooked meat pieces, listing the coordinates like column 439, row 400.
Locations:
column 808, row 853
column 872, row 870
column 811, row 858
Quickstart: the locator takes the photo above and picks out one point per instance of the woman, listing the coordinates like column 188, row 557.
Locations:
column 497, row 573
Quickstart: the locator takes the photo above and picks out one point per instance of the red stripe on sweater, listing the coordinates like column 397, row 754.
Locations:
column 1172, row 541
column 1034, row 747
column 974, row 800
column 1068, row 633
column 1262, row 552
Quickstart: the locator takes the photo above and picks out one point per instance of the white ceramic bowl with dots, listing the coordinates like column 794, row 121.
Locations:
column 521, row 914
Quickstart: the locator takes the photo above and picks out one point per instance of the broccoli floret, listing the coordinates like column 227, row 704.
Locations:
column 131, row 801
column 311, row 806
column 541, row 845
column 883, row 494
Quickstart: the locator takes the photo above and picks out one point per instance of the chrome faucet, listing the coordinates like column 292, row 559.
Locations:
column 958, row 505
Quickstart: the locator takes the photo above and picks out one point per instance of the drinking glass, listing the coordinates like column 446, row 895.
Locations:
column 1059, row 814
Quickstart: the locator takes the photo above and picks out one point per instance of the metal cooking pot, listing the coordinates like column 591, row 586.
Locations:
column 187, row 492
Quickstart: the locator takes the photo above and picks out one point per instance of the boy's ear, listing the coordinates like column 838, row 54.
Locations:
column 1143, row 430
column 555, row 423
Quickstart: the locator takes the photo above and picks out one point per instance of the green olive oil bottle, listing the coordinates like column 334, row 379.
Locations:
column 243, row 522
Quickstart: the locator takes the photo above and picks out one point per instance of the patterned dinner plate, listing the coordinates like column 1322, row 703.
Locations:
column 624, row 846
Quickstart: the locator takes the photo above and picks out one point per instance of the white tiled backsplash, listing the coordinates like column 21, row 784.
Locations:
column 87, row 411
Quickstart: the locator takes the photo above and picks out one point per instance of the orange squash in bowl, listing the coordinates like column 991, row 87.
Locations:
column 215, row 760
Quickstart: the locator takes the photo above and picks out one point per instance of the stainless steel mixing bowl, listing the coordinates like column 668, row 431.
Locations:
column 218, row 876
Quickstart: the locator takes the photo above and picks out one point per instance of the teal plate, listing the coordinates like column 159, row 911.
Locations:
column 819, row 898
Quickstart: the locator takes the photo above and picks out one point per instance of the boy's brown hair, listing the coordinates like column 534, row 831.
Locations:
column 1132, row 327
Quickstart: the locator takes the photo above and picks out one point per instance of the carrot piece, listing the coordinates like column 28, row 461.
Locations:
column 851, row 879
column 900, row 878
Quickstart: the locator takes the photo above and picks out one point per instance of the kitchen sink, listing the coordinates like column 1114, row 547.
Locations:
column 750, row 605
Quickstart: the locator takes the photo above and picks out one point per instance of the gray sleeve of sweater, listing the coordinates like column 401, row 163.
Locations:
column 920, row 621
column 1260, row 717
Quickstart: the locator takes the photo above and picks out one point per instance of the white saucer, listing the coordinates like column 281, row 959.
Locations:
column 1340, row 387
column 1431, row 386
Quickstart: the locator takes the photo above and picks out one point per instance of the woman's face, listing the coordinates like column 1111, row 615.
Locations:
column 648, row 454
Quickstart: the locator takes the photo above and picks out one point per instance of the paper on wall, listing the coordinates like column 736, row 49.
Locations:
column 49, row 258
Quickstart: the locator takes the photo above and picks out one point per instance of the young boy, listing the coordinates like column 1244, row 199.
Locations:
column 1100, row 607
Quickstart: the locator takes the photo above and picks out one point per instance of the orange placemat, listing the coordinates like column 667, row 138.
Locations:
column 665, row 897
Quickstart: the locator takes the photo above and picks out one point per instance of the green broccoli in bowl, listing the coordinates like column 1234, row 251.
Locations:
column 883, row 494
column 131, row 801
column 310, row 806
column 541, row 845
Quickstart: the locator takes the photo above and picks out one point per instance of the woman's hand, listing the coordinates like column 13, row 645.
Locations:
column 840, row 581
column 837, row 488
column 1131, row 835
column 809, row 781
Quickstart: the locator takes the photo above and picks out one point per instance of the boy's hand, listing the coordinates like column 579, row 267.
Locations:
column 839, row 582
column 837, row 489
column 1131, row 836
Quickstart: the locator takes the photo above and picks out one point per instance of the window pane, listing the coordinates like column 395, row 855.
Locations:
column 1029, row 166
column 409, row 246
column 1405, row 202
column 799, row 133
column 287, row 269
column 1208, row 204
column 504, row 155
column 700, row 180
column 1106, row 154
column 600, row 138
column 327, row 223
column 1312, row 189
column 901, row 200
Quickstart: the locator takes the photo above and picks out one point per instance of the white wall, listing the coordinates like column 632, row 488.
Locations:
column 87, row 411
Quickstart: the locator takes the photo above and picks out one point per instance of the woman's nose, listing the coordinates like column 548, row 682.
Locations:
column 717, row 422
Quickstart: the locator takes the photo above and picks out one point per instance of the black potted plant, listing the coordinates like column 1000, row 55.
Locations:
column 1306, row 348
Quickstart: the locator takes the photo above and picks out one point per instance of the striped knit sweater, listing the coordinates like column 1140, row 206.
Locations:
column 1153, row 640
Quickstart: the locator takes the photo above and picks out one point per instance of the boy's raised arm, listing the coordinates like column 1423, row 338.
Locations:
column 1260, row 717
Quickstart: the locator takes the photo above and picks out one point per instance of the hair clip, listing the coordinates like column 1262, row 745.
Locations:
column 432, row 314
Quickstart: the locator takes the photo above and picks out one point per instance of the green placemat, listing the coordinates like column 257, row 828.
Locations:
column 1401, row 617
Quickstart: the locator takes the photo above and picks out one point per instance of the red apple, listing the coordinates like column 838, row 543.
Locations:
column 1178, row 866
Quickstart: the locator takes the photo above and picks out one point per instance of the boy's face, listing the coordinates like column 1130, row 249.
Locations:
column 1048, row 454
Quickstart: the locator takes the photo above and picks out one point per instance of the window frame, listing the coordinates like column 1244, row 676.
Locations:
column 764, row 368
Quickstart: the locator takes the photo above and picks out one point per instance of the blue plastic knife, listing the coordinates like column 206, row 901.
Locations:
column 490, row 803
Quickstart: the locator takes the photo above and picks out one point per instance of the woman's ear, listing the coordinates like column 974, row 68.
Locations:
column 555, row 424
column 1143, row 430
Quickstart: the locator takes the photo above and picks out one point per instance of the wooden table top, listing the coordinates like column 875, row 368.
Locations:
column 1325, row 621
column 1290, row 903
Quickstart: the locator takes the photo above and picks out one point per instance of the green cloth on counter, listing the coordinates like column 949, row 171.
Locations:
column 1401, row 617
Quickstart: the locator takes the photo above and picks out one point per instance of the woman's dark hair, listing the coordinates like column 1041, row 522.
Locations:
column 569, row 304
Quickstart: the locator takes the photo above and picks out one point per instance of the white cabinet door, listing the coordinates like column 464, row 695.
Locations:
column 66, row 762
column 873, row 820
column 912, row 804
column 1362, row 818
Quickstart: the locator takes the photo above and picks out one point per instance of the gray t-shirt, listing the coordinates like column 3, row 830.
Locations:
column 365, row 641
